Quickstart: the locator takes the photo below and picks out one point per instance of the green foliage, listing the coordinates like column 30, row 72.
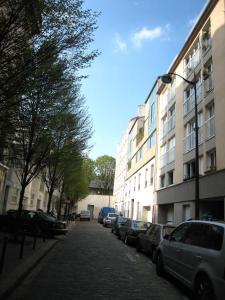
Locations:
column 105, row 171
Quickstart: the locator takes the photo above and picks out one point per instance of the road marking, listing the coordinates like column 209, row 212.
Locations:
column 130, row 257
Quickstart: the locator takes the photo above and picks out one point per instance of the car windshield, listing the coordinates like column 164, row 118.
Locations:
column 46, row 217
column 85, row 212
column 112, row 215
column 139, row 224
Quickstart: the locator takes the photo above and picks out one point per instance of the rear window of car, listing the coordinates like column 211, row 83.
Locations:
column 112, row 215
column 139, row 225
column 85, row 212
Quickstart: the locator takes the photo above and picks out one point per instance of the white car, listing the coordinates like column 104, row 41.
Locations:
column 194, row 253
column 109, row 219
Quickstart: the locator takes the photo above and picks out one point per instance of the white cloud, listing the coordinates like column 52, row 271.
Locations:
column 192, row 21
column 148, row 34
column 120, row 45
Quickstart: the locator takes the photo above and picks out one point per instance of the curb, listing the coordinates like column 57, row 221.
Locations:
column 11, row 282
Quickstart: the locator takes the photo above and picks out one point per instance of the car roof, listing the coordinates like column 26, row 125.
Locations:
column 218, row 223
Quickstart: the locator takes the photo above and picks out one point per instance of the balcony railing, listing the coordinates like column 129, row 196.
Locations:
column 193, row 62
column 163, row 160
column 189, row 102
column 210, row 127
column 171, row 123
column 208, row 85
column 189, row 141
column 171, row 155
column 206, row 44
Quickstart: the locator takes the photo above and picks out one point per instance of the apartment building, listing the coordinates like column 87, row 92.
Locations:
column 135, row 191
column 121, row 169
column 36, row 194
column 202, row 59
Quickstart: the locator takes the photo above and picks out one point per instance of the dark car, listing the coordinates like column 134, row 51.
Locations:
column 119, row 222
column 130, row 230
column 148, row 241
column 32, row 222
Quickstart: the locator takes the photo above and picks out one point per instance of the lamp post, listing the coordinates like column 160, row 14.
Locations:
column 167, row 78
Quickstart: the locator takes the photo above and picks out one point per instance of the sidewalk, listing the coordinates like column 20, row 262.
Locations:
column 15, row 269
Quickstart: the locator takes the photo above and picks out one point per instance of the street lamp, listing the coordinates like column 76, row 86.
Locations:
column 167, row 78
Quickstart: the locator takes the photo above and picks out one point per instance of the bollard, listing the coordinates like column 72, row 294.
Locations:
column 22, row 246
column 4, row 246
column 34, row 242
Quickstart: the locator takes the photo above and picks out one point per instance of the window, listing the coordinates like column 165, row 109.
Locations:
column 137, row 217
column 180, row 231
column 189, row 170
column 139, row 181
column 164, row 126
column 171, row 119
column 208, row 83
column 151, row 140
column 206, row 38
column 162, row 181
column 170, row 177
column 163, row 156
column 146, row 177
column 139, row 154
column 211, row 160
column 152, row 174
column 210, row 120
column 171, row 150
column 134, row 183
column 204, row 235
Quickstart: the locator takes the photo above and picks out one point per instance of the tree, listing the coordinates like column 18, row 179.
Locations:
column 105, row 171
column 70, row 135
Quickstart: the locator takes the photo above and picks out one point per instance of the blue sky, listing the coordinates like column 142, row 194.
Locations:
column 138, row 40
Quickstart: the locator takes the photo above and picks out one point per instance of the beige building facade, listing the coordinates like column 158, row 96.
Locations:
column 202, row 59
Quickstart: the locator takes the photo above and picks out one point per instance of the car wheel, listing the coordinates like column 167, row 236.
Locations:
column 126, row 242
column 112, row 230
column 203, row 288
column 159, row 265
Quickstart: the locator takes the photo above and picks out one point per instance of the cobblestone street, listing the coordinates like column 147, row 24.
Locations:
column 91, row 263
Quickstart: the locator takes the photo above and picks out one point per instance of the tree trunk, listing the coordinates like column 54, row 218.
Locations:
column 49, row 200
column 22, row 192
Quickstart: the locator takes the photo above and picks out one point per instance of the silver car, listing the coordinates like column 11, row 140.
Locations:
column 109, row 219
column 194, row 253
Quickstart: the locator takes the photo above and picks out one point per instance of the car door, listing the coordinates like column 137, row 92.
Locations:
column 202, row 242
column 123, row 230
column 144, row 238
column 173, row 248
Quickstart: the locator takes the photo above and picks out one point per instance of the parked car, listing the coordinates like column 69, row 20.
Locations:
column 85, row 215
column 149, row 240
column 118, row 222
column 109, row 219
column 31, row 222
column 194, row 253
column 103, row 213
column 130, row 230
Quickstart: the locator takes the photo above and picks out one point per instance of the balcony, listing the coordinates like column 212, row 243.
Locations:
column 210, row 127
column 206, row 45
column 208, row 85
column 189, row 102
column 189, row 141
column 192, row 63
column 163, row 160
column 171, row 123
column 171, row 155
